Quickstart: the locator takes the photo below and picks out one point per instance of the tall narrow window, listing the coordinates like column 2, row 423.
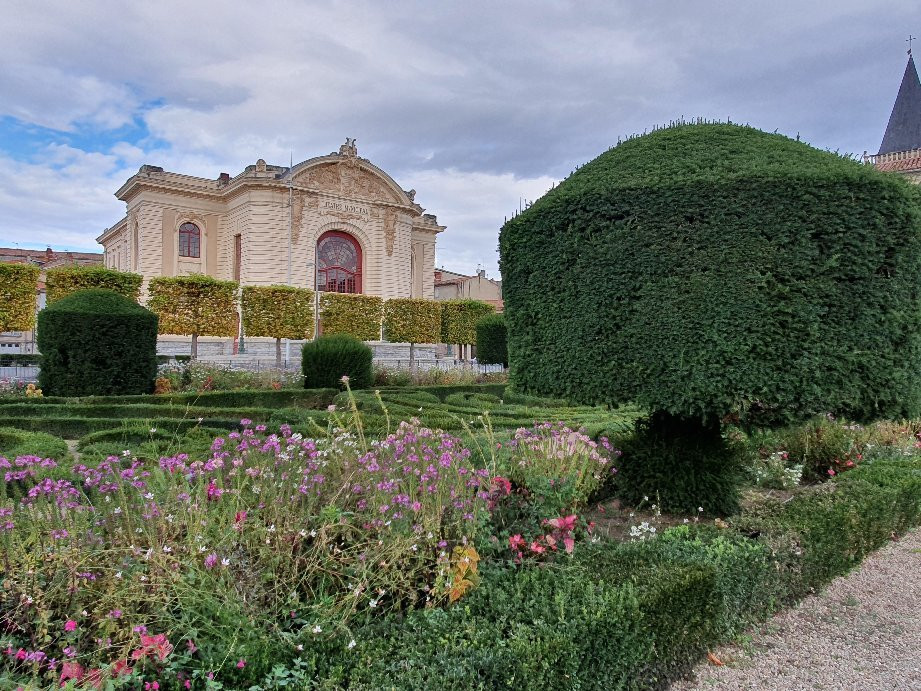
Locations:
column 338, row 263
column 189, row 240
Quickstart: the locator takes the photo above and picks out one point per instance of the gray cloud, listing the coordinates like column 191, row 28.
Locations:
column 483, row 101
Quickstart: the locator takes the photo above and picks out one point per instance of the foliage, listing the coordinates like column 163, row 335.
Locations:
column 435, row 376
column 277, row 311
column 17, row 442
column 97, row 342
column 824, row 447
column 328, row 359
column 776, row 472
column 357, row 315
column 309, row 536
column 706, row 269
column 65, row 280
column 207, row 376
column 682, row 463
column 492, row 340
column 459, row 319
column 195, row 305
column 553, row 470
column 412, row 320
column 18, row 286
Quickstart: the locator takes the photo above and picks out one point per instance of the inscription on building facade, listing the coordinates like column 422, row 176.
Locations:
column 345, row 207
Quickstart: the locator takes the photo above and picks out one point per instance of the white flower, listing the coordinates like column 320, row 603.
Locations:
column 225, row 562
column 153, row 430
column 351, row 644
column 149, row 495
column 317, row 629
column 313, row 533
column 126, row 452
column 372, row 604
column 272, row 528
column 700, row 509
column 118, row 574
column 108, row 499
column 117, row 510
column 299, row 646
column 167, row 549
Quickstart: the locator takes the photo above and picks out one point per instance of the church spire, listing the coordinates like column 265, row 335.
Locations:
column 903, row 133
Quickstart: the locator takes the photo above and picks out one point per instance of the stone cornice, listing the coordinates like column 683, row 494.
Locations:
column 109, row 232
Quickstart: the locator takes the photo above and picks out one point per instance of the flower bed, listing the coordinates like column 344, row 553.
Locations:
column 412, row 562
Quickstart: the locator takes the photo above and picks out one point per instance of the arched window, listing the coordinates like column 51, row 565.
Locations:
column 189, row 240
column 338, row 263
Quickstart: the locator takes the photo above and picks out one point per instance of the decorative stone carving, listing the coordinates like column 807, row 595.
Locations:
column 349, row 149
column 390, row 230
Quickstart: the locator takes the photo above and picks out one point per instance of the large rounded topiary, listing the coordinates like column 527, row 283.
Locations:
column 97, row 342
column 329, row 358
column 709, row 269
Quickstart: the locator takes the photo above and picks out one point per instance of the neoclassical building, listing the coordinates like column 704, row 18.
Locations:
column 336, row 222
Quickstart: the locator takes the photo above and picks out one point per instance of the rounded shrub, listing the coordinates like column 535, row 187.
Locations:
column 712, row 268
column 329, row 358
column 491, row 340
column 95, row 343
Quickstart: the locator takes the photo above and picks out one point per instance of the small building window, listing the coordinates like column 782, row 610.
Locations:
column 189, row 240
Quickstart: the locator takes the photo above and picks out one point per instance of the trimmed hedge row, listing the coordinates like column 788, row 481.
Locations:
column 18, row 285
column 301, row 398
column 634, row 616
column 78, row 427
column 66, row 280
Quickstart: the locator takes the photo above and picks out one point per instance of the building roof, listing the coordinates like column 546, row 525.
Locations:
column 903, row 133
column 47, row 258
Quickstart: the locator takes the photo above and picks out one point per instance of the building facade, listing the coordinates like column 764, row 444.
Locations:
column 336, row 222
column 900, row 150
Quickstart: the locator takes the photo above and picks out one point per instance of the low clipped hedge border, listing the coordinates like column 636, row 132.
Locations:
column 640, row 615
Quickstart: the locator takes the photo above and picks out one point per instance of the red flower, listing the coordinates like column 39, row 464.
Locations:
column 516, row 542
column 71, row 670
column 157, row 646
column 502, row 486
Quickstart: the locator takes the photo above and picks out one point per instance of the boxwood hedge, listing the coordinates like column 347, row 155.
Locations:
column 711, row 268
column 97, row 342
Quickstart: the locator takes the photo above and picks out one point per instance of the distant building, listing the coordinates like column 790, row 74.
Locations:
column 900, row 151
column 338, row 221
column 450, row 285
column 24, row 341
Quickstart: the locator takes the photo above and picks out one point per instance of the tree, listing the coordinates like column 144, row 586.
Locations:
column 459, row 318
column 278, row 312
column 356, row 315
column 195, row 305
column 65, row 280
column 18, row 286
column 707, row 270
column 412, row 320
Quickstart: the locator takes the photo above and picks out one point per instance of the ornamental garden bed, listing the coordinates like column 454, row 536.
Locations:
column 263, row 558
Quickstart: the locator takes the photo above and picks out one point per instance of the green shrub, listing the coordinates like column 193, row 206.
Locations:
column 195, row 305
column 17, row 442
column 706, row 269
column 66, row 280
column 97, row 342
column 492, row 340
column 823, row 447
column 472, row 399
column 680, row 465
column 326, row 360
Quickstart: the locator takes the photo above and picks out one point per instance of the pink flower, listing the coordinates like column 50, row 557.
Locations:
column 190, row 644
column 537, row 548
column 211, row 561
column 241, row 663
column 71, row 625
column 831, row 472
column 516, row 542
column 502, row 486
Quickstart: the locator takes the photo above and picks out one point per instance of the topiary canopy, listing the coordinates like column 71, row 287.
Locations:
column 97, row 342
column 706, row 269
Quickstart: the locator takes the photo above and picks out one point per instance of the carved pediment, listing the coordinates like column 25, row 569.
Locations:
column 346, row 180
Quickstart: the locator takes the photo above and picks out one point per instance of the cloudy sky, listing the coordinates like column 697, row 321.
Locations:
column 474, row 104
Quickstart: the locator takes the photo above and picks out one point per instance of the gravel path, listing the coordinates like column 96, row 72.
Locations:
column 863, row 632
